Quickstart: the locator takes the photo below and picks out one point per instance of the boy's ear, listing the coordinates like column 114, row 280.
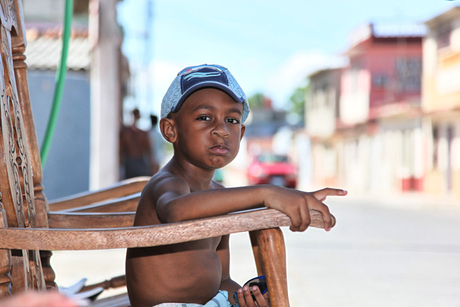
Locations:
column 243, row 129
column 168, row 129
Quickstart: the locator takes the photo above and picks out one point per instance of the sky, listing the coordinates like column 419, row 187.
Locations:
column 269, row 46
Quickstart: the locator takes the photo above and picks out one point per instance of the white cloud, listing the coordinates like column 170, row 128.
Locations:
column 294, row 71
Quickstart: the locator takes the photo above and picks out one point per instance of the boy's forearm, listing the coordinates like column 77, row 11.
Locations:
column 216, row 202
column 295, row 204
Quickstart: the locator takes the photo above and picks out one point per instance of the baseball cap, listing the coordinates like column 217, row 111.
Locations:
column 193, row 78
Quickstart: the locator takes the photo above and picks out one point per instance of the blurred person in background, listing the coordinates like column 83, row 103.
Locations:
column 135, row 150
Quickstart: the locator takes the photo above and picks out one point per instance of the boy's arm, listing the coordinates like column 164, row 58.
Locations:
column 227, row 284
column 175, row 202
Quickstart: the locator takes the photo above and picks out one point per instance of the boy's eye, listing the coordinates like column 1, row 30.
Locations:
column 204, row 117
column 233, row 121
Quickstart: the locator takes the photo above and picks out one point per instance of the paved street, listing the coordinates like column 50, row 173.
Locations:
column 383, row 252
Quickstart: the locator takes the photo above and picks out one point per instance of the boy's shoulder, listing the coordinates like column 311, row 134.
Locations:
column 165, row 179
column 162, row 184
column 172, row 178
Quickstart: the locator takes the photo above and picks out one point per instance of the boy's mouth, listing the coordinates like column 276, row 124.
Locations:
column 220, row 149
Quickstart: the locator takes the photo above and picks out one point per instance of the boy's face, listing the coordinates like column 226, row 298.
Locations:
column 208, row 128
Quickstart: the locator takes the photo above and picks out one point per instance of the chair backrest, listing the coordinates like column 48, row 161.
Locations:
column 22, row 202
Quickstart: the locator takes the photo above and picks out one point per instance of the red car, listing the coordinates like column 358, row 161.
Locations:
column 272, row 169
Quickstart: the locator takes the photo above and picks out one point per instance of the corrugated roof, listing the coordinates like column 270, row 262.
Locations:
column 387, row 30
column 399, row 30
column 43, row 52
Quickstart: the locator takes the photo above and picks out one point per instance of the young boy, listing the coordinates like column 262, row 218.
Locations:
column 202, row 115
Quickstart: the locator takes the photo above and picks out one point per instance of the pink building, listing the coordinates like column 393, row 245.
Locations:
column 374, row 143
column 381, row 143
column 383, row 74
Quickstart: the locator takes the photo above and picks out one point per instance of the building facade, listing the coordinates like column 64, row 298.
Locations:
column 375, row 143
column 321, row 116
column 441, row 102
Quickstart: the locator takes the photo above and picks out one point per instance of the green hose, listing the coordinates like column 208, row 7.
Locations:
column 60, row 80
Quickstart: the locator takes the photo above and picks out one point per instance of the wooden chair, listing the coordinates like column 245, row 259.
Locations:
column 30, row 228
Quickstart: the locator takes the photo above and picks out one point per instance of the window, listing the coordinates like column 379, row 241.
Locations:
column 443, row 36
column 408, row 74
column 435, row 147
column 380, row 80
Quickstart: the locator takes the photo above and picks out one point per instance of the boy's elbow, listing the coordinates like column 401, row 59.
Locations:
column 177, row 216
column 173, row 216
column 175, row 210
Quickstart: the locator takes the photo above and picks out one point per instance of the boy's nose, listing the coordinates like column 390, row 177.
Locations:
column 220, row 130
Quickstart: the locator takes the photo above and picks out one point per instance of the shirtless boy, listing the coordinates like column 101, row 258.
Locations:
column 202, row 115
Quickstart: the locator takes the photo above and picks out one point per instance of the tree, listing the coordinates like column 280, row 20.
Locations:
column 296, row 103
column 259, row 101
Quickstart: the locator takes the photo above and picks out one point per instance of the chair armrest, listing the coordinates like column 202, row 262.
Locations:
column 59, row 239
column 123, row 188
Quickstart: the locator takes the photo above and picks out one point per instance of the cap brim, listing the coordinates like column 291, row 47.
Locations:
column 206, row 84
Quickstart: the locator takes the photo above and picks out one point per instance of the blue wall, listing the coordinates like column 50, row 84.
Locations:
column 67, row 167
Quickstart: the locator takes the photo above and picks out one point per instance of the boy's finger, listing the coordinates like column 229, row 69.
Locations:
column 241, row 300
column 326, row 217
column 323, row 193
column 248, row 297
column 306, row 219
column 259, row 297
column 326, row 214
column 296, row 219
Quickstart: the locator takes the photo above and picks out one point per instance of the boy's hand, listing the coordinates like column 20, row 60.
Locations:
column 245, row 298
column 323, row 193
column 297, row 205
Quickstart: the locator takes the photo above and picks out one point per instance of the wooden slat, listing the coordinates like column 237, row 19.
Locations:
column 57, row 239
column 115, row 282
column 91, row 220
column 122, row 204
column 123, row 188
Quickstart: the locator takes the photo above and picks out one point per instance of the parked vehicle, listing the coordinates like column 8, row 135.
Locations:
column 274, row 169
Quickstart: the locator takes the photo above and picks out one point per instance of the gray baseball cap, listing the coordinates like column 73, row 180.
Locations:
column 193, row 78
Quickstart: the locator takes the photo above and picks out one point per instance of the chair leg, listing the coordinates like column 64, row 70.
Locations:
column 48, row 272
column 271, row 254
column 255, row 251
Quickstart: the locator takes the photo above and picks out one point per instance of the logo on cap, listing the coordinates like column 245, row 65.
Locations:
column 204, row 74
column 201, row 75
